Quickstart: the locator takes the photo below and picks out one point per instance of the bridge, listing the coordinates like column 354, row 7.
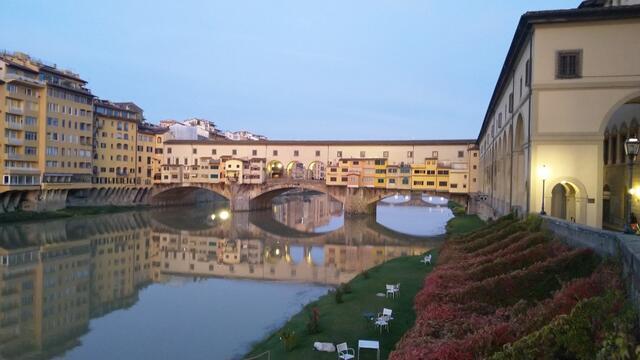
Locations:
column 250, row 197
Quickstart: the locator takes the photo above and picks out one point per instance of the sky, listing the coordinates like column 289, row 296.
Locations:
column 288, row 69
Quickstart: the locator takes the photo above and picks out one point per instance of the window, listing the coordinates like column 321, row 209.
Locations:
column 234, row 152
column 195, row 151
column 12, row 88
column 30, row 135
column 434, row 154
column 454, row 186
column 511, row 103
column 385, row 154
column 168, row 150
column 410, row 154
column 363, row 154
column 296, row 153
column 214, row 152
column 460, row 154
column 333, row 179
column 317, row 153
column 30, row 120
column 339, row 154
column 380, row 181
column 527, row 73
column 568, row 64
column 275, row 152
column 254, row 152
column 442, row 183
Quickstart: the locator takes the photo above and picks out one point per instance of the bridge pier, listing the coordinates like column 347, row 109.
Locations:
column 359, row 201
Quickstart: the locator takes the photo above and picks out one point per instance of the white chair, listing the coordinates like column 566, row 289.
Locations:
column 391, row 290
column 382, row 323
column 397, row 289
column 345, row 352
column 426, row 259
column 386, row 315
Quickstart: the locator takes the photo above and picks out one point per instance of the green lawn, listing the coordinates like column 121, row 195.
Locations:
column 345, row 322
column 464, row 224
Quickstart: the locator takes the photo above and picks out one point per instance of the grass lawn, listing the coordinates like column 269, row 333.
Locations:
column 463, row 224
column 345, row 322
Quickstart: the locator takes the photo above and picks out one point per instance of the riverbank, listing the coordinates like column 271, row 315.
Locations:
column 345, row 322
column 23, row 216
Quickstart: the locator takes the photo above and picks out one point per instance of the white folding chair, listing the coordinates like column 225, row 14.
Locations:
column 391, row 290
column 345, row 352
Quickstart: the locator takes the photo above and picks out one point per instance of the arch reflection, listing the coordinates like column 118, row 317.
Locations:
column 55, row 276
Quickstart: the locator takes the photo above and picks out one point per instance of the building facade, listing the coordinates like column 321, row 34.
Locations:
column 564, row 103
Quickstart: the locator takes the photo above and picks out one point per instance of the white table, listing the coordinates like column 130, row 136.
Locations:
column 369, row 344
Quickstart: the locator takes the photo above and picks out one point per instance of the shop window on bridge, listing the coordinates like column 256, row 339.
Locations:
column 442, row 183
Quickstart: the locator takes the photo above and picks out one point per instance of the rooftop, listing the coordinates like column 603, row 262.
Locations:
column 325, row 142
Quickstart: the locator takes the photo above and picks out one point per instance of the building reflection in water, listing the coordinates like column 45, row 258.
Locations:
column 57, row 275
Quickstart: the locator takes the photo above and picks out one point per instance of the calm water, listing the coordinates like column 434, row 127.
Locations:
column 190, row 282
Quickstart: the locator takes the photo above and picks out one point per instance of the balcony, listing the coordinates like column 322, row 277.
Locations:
column 14, row 125
column 15, row 110
column 15, row 157
column 13, row 141
column 23, row 79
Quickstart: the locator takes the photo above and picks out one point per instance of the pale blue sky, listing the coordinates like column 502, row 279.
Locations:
column 331, row 69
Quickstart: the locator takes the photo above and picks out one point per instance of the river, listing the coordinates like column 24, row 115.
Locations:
column 189, row 282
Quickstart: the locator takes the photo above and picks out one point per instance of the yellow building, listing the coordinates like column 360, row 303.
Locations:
column 419, row 176
column 68, row 133
column 20, row 107
column 380, row 177
column 115, row 159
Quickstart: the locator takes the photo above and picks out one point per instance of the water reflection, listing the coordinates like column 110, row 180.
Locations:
column 57, row 275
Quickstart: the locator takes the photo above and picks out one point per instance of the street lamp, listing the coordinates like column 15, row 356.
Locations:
column 631, row 147
column 543, row 173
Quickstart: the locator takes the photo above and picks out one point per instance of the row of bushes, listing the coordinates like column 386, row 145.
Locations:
column 508, row 292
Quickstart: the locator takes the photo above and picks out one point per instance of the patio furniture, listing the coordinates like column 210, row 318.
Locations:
column 391, row 290
column 369, row 344
column 382, row 323
column 345, row 352
column 426, row 259
column 398, row 289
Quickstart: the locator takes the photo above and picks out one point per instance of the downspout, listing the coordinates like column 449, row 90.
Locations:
column 529, row 124
column 513, row 104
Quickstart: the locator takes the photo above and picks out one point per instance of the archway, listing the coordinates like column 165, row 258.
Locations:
column 183, row 195
column 316, row 171
column 622, row 125
column 275, row 169
column 295, row 170
column 563, row 201
column 519, row 166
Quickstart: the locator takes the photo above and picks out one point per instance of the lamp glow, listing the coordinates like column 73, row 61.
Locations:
column 224, row 215
column 544, row 172
column 213, row 216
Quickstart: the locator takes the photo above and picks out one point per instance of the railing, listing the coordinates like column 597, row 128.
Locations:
column 15, row 110
column 24, row 79
column 13, row 141
column 14, row 125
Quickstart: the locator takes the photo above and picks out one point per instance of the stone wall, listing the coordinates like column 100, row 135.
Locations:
column 624, row 247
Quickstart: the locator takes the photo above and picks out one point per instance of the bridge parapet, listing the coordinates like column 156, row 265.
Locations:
column 248, row 197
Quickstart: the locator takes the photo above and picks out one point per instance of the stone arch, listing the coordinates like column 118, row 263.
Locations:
column 519, row 166
column 175, row 195
column 629, row 98
column 295, row 170
column 275, row 169
column 316, row 170
column 262, row 198
column 575, row 196
column 620, row 123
